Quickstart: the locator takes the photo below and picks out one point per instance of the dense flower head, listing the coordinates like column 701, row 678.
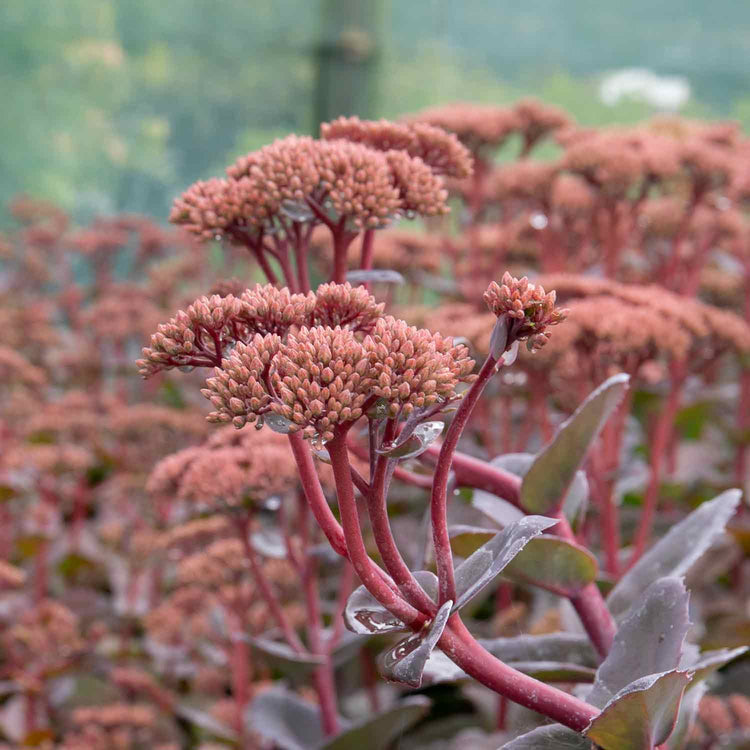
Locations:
column 686, row 326
column 166, row 475
column 345, row 306
column 268, row 309
column 531, row 309
column 476, row 125
column 537, row 119
column 126, row 311
column 523, row 180
column 221, row 562
column 115, row 715
column 16, row 369
column 610, row 335
column 570, row 195
column 236, row 477
column 95, row 241
column 421, row 191
column 215, row 207
column 200, row 335
column 709, row 165
column 193, row 535
column 321, row 376
column 357, row 182
column 11, row 577
column 440, row 150
column 42, row 638
column 194, row 337
column 382, row 135
column 237, row 391
column 605, row 162
column 413, row 367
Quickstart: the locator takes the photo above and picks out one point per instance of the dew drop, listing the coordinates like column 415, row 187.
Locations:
column 538, row 221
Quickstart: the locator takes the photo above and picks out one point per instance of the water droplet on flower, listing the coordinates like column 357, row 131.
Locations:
column 297, row 211
column 538, row 221
column 272, row 503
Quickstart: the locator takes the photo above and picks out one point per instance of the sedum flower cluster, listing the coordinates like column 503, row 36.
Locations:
column 311, row 362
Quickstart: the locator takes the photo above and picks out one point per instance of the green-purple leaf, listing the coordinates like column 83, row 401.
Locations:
column 552, row 737
column 502, row 512
column 380, row 731
column 365, row 615
column 642, row 715
column 282, row 717
column 548, row 480
column 650, row 637
column 554, row 564
column 676, row 552
column 284, row 658
column 484, row 565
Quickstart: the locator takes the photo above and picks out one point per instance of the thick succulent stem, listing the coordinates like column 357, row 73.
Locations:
column 439, row 500
column 456, row 641
column 591, row 608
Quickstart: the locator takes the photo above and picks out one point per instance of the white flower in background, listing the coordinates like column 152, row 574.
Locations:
column 662, row 92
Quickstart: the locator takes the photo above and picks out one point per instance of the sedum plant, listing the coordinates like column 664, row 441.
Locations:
column 364, row 392
column 434, row 504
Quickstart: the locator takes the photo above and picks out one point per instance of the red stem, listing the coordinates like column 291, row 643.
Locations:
column 591, row 608
column 268, row 594
column 323, row 677
column 314, row 494
column 355, row 544
column 439, row 500
column 588, row 602
column 378, row 511
column 661, row 437
column 341, row 241
column 456, row 642
column 241, row 673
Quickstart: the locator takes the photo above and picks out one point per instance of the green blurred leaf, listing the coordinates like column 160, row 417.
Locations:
column 28, row 546
column 691, row 420
column 7, row 493
column 556, row 565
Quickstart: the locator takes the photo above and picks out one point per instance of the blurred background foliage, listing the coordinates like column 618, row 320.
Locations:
column 117, row 105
